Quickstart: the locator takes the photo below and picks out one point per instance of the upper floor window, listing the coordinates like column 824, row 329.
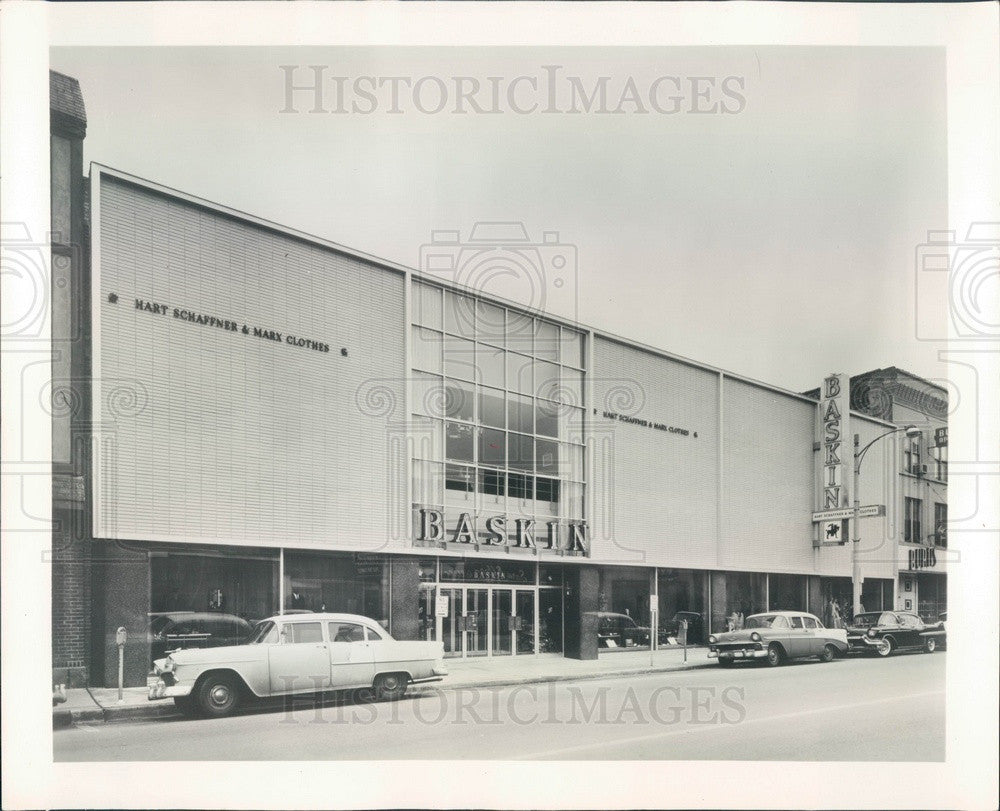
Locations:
column 911, row 455
column 941, row 524
column 912, row 508
column 940, row 455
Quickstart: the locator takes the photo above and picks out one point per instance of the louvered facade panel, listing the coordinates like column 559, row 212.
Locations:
column 768, row 480
column 211, row 433
column 655, row 488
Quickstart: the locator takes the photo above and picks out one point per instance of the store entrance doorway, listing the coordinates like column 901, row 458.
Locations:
column 486, row 620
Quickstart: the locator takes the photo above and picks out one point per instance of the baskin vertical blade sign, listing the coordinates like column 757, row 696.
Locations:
column 834, row 416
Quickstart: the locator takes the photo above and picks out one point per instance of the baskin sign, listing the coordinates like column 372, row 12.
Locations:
column 431, row 530
column 834, row 411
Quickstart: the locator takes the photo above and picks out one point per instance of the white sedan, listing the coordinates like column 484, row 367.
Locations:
column 294, row 654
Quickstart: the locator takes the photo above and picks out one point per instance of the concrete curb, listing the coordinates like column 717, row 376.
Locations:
column 62, row 717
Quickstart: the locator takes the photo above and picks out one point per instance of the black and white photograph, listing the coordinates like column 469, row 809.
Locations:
column 502, row 405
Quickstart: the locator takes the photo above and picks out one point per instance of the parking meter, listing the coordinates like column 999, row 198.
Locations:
column 682, row 632
column 121, row 635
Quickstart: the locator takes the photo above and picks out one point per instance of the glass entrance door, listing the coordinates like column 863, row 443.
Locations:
column 477, row 620
column 524, row 621
column 452, row 625
column 501, row 613
column 487, row 621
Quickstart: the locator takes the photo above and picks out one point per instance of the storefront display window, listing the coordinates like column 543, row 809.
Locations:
column 786, row 592
column 681, row 596
column 876, row 595
column 623, row 603
column 244, row 587
column 745, row 594
column 932, row 596
column 347, row 583
column 837, row 601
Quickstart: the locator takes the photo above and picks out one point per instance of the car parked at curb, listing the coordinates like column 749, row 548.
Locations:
column 884, row 632
column 296, row 654
column 776, row 636
column 171, row 630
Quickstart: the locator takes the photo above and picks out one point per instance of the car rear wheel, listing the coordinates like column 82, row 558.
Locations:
column 390, row 686
column 218, row 695
column 829, row 654
column 930, row 645
column 775, row 656
column 885, row 647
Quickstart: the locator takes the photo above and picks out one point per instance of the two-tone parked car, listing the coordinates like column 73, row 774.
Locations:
column 292, row 655
column 885, row 632
column 776, row 636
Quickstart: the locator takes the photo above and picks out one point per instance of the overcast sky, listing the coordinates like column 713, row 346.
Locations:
column 774, row 237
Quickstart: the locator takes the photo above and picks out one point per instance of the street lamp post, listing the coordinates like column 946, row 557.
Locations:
column 911, row 431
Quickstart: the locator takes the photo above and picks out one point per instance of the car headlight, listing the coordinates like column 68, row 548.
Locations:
column 871, row 632
column 712, row 640
column 755, row 636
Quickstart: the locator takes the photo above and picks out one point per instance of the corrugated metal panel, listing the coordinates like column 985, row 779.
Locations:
column 223, row 436
column 654, row 491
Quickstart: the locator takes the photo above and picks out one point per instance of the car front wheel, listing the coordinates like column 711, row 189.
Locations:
column 885, row 647
column 218, row 695
column 774, row 656
column 727, row 662
column 390, row 686
column 829, row 654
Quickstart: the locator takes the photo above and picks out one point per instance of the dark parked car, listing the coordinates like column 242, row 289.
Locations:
column 672, row 629
column 195, row 629
column 885, row 632
column 619, row 631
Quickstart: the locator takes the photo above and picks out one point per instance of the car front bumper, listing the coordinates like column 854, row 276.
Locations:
column 737, row 653
column 159, row 689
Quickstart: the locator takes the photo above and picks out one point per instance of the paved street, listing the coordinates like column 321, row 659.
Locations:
column 851, row 709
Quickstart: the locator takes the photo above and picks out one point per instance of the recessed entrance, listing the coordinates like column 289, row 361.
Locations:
column 489, row 620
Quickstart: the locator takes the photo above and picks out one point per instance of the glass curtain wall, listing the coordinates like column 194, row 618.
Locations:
column 498, row 413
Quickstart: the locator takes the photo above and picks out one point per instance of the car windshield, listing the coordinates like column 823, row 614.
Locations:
column 262, row 633
column 765, row 621
column 867, row 620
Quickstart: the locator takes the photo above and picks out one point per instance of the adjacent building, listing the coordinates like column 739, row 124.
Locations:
column 261, row 420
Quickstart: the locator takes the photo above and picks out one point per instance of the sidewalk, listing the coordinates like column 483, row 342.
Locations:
column 101, row 703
